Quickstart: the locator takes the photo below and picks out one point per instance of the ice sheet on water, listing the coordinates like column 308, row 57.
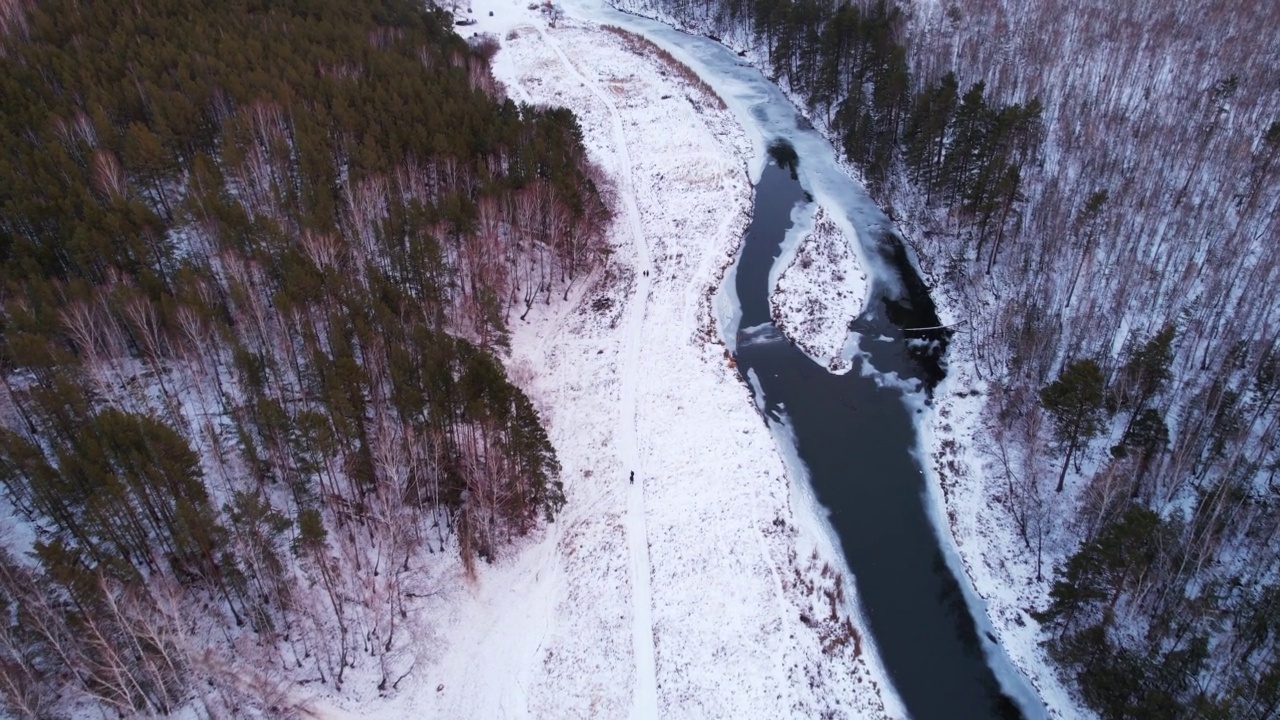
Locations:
column 802, row 219
column 728, row 308
column 761, row 334
column 757, row 390
column 851, row 351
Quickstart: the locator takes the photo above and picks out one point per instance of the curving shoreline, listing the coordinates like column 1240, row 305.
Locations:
column 984, row 545
column 749, row 614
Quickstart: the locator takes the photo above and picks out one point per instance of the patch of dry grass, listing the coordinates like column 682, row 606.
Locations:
column 646, row 48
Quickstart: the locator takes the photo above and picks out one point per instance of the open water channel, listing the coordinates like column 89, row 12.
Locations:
column 856, row 435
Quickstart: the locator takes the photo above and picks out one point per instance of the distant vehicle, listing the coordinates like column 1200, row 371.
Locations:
column 465, row 21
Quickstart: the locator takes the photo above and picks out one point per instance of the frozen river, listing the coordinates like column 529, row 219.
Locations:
column 854, row 434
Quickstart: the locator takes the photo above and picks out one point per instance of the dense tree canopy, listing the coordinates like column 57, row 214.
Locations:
column 255, row 258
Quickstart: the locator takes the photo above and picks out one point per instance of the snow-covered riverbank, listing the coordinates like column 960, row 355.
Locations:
column 958, row 449
column 709, row 587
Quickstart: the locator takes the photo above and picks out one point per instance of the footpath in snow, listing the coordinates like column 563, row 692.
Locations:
column 699, row 590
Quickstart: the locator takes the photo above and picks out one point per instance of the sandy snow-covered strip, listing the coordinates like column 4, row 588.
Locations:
column 820, row 291
column 702, row 590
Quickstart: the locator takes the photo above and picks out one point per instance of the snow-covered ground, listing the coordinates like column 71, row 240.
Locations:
column 709, row 586
column 821, row 290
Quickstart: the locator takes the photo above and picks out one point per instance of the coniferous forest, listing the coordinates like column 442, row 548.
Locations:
column 1096, row 189
column 255, row 259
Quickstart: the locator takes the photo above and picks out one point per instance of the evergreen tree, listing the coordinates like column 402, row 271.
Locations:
column 236, row 243
column 1075, row 402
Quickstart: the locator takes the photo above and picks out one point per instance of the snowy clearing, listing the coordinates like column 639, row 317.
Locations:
column 708, row 587
column 820, row 292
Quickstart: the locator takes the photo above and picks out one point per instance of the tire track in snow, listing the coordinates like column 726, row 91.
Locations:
column 645, row 696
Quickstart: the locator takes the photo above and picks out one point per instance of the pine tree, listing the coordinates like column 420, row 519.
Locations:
column 1075, row 401
column 1093, row 578
column 1087, row 222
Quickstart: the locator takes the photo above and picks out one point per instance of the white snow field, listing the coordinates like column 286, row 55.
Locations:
column 821, row 289
column 710, row 587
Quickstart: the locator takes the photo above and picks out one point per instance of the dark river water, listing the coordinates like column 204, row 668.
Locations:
column 858, row 441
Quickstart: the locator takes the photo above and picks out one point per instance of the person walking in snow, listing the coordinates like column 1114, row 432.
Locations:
column 633, row 477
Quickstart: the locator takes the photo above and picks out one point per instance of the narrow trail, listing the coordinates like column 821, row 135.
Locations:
column 645, row 697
